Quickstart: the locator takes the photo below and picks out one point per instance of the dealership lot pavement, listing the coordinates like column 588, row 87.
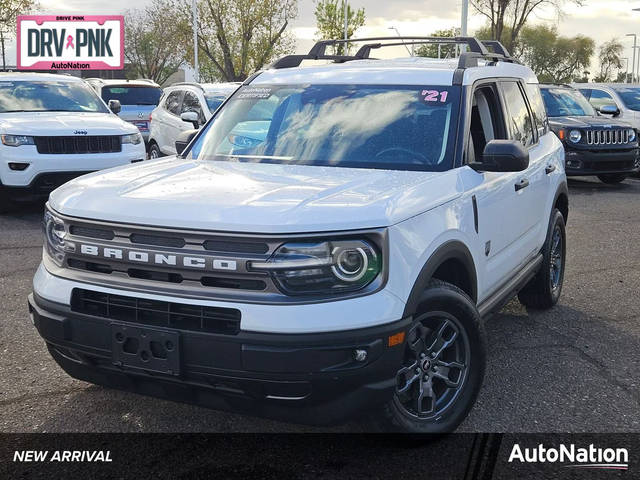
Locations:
column 572, row 369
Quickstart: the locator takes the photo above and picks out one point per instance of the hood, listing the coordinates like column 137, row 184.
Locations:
column 132, row 113
column 250, row 197
column 586, row 122
column 63, row 123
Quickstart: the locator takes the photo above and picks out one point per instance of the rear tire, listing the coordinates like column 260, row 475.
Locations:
column 443, row 366
column 612, row 178
column 543, row 291
column 154, row 151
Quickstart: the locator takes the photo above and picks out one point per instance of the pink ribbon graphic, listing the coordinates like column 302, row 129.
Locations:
column 69, row 42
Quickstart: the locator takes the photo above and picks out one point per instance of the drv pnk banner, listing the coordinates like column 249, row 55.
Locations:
column 65, row 42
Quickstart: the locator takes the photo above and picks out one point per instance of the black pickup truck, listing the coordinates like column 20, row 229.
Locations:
column 594, row 144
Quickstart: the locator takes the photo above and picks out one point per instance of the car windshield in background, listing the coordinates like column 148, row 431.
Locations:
column 566, row 102
column 22, row 96
column 361, row 126
column 129, row 95
column 630, row 97
column 214, row 100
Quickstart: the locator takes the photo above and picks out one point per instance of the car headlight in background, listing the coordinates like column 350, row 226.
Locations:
column 324, row 267
column 17, row 140
column 243, row 142
column 632, row 135
column 575, row 136
column 133, row 138
column 55, row 233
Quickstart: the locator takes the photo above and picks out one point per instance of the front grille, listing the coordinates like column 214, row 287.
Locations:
column 607, row 137
column 79, row 144
column 194, row 318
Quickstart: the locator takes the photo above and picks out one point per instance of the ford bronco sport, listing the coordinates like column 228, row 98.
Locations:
column 326, row 246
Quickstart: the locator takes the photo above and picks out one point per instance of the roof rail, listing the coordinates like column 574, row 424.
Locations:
column 497, row 47
column 191, row 84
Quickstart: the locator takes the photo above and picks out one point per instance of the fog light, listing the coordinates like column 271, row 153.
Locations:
column 18, row 166
column 359, row 355
column 574, row 164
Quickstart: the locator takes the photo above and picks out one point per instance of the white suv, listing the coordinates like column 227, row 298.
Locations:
column 326, row 247
column 137, row 99
column 54, row 128
column 184, row 106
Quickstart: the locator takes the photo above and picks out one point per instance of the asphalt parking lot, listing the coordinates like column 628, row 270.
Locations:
column 572, row 369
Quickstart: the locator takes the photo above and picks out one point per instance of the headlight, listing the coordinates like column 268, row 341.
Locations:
column 17, row 140
column 324, row 267
column 243, row 142
column 134, row 138
column 575, row 136
column 632, row 135
column 55, row 233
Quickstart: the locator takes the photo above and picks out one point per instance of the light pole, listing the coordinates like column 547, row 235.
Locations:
column 398, row 33
column 633, row 65
column 626, row 73
column 465, row 17
column 194, row 7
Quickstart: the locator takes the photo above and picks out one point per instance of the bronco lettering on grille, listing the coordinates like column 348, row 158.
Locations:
column 158, row 258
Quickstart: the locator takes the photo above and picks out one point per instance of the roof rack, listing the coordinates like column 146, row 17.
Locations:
column 477, row 50
column 191, row 84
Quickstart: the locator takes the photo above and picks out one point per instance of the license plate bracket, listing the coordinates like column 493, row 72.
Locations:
column 145, row 349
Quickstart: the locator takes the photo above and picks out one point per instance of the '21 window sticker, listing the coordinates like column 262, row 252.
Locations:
column 434, row 96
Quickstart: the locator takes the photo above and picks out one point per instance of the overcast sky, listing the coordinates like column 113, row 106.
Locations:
column 599, row 19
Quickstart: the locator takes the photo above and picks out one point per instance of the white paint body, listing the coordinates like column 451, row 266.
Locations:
column 421, row 210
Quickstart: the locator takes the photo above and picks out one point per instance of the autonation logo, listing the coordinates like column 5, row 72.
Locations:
column 573, row 457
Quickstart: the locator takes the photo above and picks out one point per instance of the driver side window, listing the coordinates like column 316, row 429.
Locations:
column 486, row 122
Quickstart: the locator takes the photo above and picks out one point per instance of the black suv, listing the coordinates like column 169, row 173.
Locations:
column 594, row 144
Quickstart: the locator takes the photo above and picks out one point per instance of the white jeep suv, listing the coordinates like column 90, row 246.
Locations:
column 54, row 128
column 184, row 106
column 326, row 247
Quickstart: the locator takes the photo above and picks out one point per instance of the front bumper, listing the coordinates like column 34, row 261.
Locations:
column 310, row 378
column 42, row 185
column 594, row 162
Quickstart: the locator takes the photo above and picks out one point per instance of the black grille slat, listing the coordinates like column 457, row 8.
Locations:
column 157, row 313
column 91, row 232
column 59, row 145
column 232, row 246
column 158, row 241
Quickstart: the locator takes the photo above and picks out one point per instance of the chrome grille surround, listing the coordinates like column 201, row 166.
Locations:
column 607, row 136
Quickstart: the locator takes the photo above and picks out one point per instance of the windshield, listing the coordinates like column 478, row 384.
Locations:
column 21, row 96
column 129, row 95
column 362, row 126
column 566, row 102
column 214, row 100
column 630, row 97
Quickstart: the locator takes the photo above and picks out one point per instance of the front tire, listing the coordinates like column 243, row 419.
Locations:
column 612, row 178
column 443, row 365
column 543, row 291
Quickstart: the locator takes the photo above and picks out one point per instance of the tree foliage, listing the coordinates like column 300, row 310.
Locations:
column 151, row 34
column 238, row 37
column 507, row 18
column 610, row 56
column 430, row 50
column 330, row 21
column 552, row 57
column 9, row 11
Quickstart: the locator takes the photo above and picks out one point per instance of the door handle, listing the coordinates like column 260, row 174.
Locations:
column 550, row 169
column 524, row 183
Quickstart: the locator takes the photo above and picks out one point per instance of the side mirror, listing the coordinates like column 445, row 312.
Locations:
column 609, row 110
column 192, row 118
column 183, row 139
column 114, row 106
column 503, row 156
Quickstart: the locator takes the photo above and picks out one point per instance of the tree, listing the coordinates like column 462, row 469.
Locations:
column 330, row 22
column 238, row 37
column 512, row 15
column 150, row 41
column 9, row 11
column 431, row 50
column 610, row 56
column 554, row 58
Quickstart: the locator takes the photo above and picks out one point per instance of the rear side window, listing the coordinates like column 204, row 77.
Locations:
column 537, row 106
column 172, row 103
column 518, row 117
